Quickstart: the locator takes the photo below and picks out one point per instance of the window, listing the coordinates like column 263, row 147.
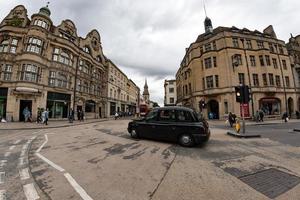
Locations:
column 209, row 82
column 277, row 79
column 249, row 44
column 284, row 64
column 29, row 73
column 271, row 79
column 260, row 44
column 62, row 56
column 78, row 86
column 34, row 45
column 268, row 62
column 235, row 42
column 252, row 61
column 98, row 58
column 274, row 60
column 7, row 72
column 8, row 46
column 215, row 61
column 86, row 49
column 58, row 79
column 280, row 49
column 287, row 81
column 271, row 47
column 264, row 76
column 255, row 79
column 241, row 78
column 203, row 83
column 226, row 107
column 152, row 115
column 167, row 115
column 85, row 87
column 85, row 66
column 214, row 45
column 41, row 23
column 261, row 60
column 217, row 80
column 207, row 47
column 208, row 63
column 190, row 88
column 171, row 100
column 184, row 116
column 237, row 59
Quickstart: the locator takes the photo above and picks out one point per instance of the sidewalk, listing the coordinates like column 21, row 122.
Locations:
column 51, row 124
column 253, row 123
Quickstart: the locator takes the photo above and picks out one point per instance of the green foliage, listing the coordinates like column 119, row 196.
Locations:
column 15, row 21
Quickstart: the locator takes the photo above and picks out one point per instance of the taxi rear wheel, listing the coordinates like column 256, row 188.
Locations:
column 186, row 140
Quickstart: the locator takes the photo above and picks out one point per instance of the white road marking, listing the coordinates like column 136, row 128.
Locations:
column 7, row 154
column 22, row 153
column 39, row 149
column 24, row 174
column 17, row 142
column 30, row 192
column 50, row 162
column 2, row 177
column 32, row 138
column 2, row 195
column 21, row 161
column 12, row 147
column 77, row 187
column 25, row 146
column 2, row 163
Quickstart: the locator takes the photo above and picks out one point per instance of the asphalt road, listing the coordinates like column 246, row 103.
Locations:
column 100, row 161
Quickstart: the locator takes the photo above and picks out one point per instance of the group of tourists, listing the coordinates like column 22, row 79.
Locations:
column 42, row 115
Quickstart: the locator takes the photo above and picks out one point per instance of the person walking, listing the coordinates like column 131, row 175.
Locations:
column 231, row 118
column 71, row 115
column 45, row 115
column 285, row 117
column 116, row 115
column 261, row 115
column 26, row 114
column 257, row 118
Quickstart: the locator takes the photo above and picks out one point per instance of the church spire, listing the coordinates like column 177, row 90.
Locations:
column 207, row 22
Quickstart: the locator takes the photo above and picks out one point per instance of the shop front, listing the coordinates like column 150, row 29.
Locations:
column 3, row 101
column 112, row 108
column 270, row 106
column 58, row 104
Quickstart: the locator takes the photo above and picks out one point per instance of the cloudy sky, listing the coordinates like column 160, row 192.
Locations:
column 147, row 38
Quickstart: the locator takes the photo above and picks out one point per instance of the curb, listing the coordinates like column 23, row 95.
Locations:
column 238, row 135
column 50, row 127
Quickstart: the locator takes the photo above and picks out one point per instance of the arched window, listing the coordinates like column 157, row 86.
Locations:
column 86, row 49
column 62, row 56
column 58, row 79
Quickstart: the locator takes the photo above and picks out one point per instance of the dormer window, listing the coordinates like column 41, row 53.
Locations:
column 86, row 49
column 98, row 58
column 41, row 23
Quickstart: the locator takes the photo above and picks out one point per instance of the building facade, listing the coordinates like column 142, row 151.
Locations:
column 48, row 66
column 123, row 94
column 170, row 93
column 293, row 47
column 223, row 58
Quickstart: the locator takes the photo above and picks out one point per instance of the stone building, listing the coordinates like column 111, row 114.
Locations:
column 170, row 93
column 123, row 94
column 41, row 63
column 223, row 58
column 293, row 47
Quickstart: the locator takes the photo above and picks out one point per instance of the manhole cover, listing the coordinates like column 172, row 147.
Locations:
column 271, row 182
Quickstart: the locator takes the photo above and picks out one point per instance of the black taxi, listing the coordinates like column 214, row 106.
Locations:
column 174, row 124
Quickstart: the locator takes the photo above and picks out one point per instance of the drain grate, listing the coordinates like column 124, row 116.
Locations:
column 271, row 182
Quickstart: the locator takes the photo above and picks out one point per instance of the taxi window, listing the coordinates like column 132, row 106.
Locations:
column 152, row 116
column 167, row 115
column 184, row 116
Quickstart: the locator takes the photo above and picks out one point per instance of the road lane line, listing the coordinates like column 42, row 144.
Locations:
column 22, row 153
column 2, row 195
column 7, row 154
column 32, row 138
column 2, row 163
column 50, row 162
column 2, row 177
column 21, row 161
column 39, row 149
column 24, row 174
column 25, row 146
column 30, row 192
column 12, row 147
column 77, row 187
column 17, row 142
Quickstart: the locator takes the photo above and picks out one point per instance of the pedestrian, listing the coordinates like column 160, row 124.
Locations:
column 71, row 115
column 26, row 114
column 39, row 116
column 45, row 116
column 257, row 118
column 285, row 117
column 261, row 115
column 116, row 115
column 231, row 119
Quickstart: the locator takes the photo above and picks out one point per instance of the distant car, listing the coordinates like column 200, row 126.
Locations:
column 174, row 124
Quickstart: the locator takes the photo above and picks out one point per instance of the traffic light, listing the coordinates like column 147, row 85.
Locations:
column 242, row 94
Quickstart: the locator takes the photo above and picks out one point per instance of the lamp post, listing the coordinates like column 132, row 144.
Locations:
column 283, row 81
column 249, row 77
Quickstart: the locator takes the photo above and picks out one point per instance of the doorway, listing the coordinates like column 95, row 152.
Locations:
column 213, row 109
column 290, row 106
column 23, row 105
